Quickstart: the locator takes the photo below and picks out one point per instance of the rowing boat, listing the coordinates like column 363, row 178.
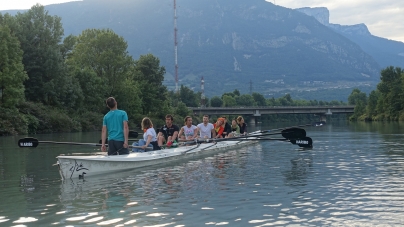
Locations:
column 80, row 166
column 84, row 166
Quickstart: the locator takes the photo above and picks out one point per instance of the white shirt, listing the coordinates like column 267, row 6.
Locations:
column 189, row 131
column 205, row 130
column 151, row 132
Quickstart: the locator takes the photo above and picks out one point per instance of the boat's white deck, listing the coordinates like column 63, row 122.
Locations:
column 142, row 156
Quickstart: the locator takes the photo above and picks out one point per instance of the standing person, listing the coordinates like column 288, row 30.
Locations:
column 242, row 125
column 190, row 131
column 168, row 133
column 218, row 127
column 227, row 128
column 149, row 137
column 206, row 129
column 116, row 123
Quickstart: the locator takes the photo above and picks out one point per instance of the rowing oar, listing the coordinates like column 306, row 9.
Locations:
column 131, row 134
column 315, row 124
column 302, row 142
column 33, row 142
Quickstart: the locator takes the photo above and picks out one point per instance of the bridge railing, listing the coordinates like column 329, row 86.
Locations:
column 271, row 107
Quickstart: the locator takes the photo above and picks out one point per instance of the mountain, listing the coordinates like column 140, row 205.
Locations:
column 230, row 43
column 386, row 52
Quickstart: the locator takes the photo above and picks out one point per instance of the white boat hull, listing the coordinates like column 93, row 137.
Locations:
column 84, row 166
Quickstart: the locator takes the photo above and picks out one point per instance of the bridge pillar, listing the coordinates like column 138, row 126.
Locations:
column 252, row 120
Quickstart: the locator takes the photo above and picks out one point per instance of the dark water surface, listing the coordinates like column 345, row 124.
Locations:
column 353, row 176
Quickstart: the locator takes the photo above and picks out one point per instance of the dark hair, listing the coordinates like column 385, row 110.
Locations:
column 224, row 117
column 239, row 118
column 170, row 116
column 146, row 123
column 111, row 103
column 206, row 116
column 186, row 118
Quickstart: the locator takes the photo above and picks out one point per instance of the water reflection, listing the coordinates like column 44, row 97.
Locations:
column 352, row 176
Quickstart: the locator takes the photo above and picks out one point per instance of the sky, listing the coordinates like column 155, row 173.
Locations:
column 384, row 18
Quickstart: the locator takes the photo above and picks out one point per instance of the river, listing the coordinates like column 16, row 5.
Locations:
column 352, row 176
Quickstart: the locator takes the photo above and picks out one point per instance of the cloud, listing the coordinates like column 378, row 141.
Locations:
column 384, row 18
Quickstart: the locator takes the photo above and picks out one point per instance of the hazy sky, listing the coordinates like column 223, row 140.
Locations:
column 384, row 18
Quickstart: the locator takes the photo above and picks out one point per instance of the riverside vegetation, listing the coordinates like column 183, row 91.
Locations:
column 52, row 85
column 384, row 103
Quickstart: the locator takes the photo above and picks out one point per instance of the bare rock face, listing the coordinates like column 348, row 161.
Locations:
column 385, row 52
column 320, row 13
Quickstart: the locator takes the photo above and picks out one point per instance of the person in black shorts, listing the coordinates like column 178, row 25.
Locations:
column 168, row 134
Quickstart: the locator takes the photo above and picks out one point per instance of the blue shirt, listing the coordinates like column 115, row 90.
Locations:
column 114, row 121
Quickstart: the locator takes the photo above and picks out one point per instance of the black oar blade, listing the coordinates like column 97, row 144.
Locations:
column 133, row 134
column 303, row 142
column 293, row 133
column 28, row 142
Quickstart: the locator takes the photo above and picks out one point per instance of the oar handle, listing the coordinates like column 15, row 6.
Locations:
column 33, row 142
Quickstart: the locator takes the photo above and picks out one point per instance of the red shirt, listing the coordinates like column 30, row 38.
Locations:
column 219, row 130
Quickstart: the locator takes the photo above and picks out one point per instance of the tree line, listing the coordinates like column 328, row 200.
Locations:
column 386, row 102
column 55, row 83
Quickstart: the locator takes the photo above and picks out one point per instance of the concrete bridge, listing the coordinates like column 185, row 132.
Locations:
column 257, row 111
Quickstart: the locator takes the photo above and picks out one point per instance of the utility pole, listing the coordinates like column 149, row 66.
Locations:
column 175, row 47
column 202, row 92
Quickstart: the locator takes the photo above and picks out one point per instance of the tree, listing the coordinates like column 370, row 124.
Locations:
column 102, row 66
column 259, row 99
column 371, row 108
column 359, row 99
column 216, row 101
column 188, row 97
column 245, row 100
column 39, row 35
column 229, row 101
column 150, row 76
column 390, row 87
column 12, row 73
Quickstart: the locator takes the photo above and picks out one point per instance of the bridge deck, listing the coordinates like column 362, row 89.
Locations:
column 259, row 110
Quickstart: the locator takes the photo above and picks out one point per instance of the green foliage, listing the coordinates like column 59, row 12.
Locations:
column 245, row 100
column 259, row 99
column 385, row 103
column 188, row 97
column 216, row 101
column 150, row 75
column 182, row 110
column 12, row 73
column 229, row 101
column 12, row 122
column 39, row 35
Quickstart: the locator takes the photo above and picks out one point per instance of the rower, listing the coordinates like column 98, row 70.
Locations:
column 188, row 131
column 218, row 127
column 242, row 125
column 227, row 128
column 206, row 129
column 168, row 134
column 149, row 137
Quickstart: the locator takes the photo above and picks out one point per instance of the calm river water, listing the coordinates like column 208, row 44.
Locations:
column 353, row 176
